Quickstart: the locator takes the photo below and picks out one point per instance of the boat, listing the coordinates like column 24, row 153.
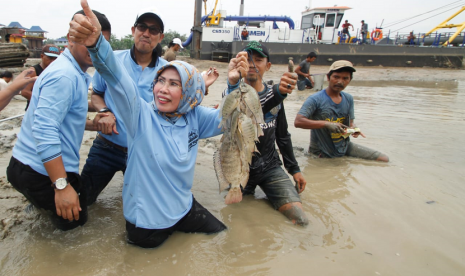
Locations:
column 319, row 33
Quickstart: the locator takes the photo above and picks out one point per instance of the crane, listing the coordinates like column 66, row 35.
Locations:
column 213, row 19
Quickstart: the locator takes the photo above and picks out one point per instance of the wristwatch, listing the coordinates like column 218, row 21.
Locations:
column 60, row 183
column 105, row 109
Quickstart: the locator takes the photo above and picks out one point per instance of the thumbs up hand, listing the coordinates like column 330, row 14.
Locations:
column 84, row 29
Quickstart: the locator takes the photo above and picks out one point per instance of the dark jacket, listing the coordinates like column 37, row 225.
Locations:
column 275, row 131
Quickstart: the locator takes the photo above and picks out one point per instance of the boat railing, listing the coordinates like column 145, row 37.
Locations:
column 402, row 38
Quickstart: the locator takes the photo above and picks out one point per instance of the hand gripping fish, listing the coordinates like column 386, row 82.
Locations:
column 242, row 116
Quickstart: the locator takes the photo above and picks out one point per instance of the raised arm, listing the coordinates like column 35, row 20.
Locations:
column 87, row 30
column 21, row 81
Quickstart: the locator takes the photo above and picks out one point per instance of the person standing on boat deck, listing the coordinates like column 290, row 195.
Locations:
column 244, row 34
column 173, row 48
column 266, row 170
column 109, row 151
column 364, row 31
column 345, row 29
column 329, row 113
column 303, row 71
column 50, row 52
column 45, row 162
column 162, row 140
column 411, row 39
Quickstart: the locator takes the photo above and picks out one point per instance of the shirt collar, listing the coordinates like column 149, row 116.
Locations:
column 154, row 56
column 67, row 54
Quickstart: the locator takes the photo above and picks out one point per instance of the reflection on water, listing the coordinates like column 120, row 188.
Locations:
column 366, row 218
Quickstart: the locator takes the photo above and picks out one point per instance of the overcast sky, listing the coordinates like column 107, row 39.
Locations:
column 54, row 15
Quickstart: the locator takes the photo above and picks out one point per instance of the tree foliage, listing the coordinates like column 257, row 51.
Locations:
column 122, row 43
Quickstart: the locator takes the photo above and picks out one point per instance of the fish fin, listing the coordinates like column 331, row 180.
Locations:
column 234, row 196
column 223, row 183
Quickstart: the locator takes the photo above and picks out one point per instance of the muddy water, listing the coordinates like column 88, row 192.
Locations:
column 366, row 218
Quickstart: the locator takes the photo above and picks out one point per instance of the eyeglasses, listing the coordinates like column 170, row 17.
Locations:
column 171, row 84
column 142, row 27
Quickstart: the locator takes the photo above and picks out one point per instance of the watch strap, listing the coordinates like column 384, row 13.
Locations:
column 105, row 109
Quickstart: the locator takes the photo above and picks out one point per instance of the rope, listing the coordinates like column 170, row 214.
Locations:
column 426, row 19
column 7, row 119
column 406, row 19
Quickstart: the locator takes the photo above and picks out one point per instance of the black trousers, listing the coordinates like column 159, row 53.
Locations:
column 198, row 220
column 37, row 189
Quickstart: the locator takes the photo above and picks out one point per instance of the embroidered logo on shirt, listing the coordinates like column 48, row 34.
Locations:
column 193, row 139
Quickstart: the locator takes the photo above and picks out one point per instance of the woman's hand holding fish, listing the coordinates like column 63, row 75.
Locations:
column 238, row 66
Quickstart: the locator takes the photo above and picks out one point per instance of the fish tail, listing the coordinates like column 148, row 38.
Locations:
column 234, row 196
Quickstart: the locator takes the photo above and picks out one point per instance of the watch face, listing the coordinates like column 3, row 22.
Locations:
column 61, row 183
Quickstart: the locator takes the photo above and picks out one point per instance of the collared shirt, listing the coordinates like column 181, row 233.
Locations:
column 142, row 78
column 161, row 155
column 55, row 120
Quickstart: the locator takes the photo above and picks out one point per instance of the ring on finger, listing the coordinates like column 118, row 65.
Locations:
column 288, row 86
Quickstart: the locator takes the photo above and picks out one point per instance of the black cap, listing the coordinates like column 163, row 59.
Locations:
column 152, row 13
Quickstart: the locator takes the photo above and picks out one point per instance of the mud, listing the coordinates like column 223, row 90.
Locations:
column 366, row 218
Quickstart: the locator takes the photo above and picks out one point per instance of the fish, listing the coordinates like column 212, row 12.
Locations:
column 228, row 105
column 242, row 115
column 350, row 131
column 290, row 66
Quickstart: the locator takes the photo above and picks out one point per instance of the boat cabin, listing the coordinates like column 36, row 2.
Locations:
column 321, row 25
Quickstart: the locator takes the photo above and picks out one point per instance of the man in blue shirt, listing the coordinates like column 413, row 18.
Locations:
column 108, row 153
column 45, row 162
column 329, row 113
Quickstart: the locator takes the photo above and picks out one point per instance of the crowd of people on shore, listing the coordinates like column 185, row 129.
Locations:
column 149, row 120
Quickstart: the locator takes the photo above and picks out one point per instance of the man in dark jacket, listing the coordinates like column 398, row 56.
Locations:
column 266, row 170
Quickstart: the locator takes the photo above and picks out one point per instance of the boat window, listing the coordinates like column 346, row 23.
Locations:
column 330, row 18
column 339, row 19
column 307, row 21
column 319, row 19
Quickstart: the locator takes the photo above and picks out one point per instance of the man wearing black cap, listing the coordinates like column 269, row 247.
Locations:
column 50, row 52
column 330, row 115
column 265, row 170
column 108, row 153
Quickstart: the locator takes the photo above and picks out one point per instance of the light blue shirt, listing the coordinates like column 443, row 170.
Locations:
column 56, row 118
column 142, row 78
column 161, row 156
